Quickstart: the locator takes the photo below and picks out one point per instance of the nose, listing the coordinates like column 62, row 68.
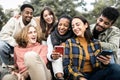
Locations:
column 33, row 33
column 101, row 23
column 62, row 26
column 49, row 16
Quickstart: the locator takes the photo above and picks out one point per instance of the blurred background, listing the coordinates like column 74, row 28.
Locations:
column 88, row 8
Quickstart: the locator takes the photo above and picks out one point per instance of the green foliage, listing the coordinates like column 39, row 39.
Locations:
column 58, row 6
column 3, row 18
column 99, row 5
column 68, row 7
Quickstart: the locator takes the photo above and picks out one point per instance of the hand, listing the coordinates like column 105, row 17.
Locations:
column 20, row 77
column 82, row 78
column 25, row 74
column 55, row 55
column 104, row 59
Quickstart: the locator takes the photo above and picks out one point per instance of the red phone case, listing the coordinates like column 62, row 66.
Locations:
column 59, row 49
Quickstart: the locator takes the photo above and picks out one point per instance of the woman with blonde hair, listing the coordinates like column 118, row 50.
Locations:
column 30, row 55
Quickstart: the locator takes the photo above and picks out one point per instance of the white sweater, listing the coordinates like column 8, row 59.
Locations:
column 12, row 27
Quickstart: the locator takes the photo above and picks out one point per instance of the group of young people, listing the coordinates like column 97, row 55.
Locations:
column 32, row 40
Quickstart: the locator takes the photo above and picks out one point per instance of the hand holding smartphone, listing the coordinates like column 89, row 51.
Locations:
column 59, row 49
column 106, row 52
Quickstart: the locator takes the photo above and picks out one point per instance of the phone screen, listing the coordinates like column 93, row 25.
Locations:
column 106, row 52
column 59, row 49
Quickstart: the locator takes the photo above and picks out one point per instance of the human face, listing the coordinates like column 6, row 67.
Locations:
column 32, row 35
column 103, row 23
column 79, row 27
column 63, row 26
column 27, row 15
column 48, row 17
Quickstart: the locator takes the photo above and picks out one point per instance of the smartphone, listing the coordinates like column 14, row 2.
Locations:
column 106, row 52
column 59, row 49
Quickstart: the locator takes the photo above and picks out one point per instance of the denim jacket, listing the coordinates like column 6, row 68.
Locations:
column 109, row 38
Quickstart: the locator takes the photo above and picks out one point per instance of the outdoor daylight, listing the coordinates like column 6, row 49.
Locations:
column 59, row 39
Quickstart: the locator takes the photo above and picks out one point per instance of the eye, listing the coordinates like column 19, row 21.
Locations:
column 107, row 23
column 101, row 20
column 29, row 32
column 77, row 24
column 59, row 24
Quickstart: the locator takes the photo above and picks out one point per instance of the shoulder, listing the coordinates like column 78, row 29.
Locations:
column 17, row 48
column 44, row 47
column 72, row 40
column 37, row 18
column 13, row 19
column 96, row 42
column 114, row 28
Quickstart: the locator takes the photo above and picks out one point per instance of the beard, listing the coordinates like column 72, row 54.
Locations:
column 99, row 26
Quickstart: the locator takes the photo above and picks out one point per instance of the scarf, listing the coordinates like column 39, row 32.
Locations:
column 57, row 39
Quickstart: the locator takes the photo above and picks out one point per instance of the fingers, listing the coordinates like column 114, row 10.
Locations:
column 104, row 59
column 55, row 56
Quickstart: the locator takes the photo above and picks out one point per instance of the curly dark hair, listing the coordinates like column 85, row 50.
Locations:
column 110, row 13
column 26, row 5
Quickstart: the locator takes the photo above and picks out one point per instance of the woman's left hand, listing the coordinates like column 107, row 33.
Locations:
column 104, row 59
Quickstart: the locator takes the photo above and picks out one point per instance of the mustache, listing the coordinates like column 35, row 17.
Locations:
column 100, row 26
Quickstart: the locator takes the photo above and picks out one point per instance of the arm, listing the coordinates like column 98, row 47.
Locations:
column 68, row 62
column 6, row 33
column 111, row 42
column 52, row 55
column 50, row 48
column 43, row 53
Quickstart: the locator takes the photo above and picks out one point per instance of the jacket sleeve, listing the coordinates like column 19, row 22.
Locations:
column 6, row 33
column 69, row 69
column 50, row 48
column 112, row 42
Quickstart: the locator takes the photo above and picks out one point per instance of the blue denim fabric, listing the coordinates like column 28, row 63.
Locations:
column 111, row 72
column 5, row 51
column 112, row 60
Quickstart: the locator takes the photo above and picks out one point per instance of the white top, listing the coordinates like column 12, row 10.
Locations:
column 50, row 48
column 12, row 27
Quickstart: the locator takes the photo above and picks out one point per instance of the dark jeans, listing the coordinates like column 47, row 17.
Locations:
column 111, row 72
column 5, row 51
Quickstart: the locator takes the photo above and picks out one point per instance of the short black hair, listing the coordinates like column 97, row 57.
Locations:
column 111, row 13
column 26, row 5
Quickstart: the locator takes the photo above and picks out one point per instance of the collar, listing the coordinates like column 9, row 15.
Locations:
column 32, row 22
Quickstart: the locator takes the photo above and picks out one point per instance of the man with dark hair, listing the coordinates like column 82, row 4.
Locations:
column 104, row 30
column 24, row 6
column 10, row 29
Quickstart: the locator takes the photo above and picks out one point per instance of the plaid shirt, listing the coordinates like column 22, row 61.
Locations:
column 74, row 57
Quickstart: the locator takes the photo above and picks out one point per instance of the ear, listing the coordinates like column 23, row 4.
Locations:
column 86, row 25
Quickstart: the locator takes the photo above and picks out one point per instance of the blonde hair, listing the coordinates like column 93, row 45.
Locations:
column 22, row 38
